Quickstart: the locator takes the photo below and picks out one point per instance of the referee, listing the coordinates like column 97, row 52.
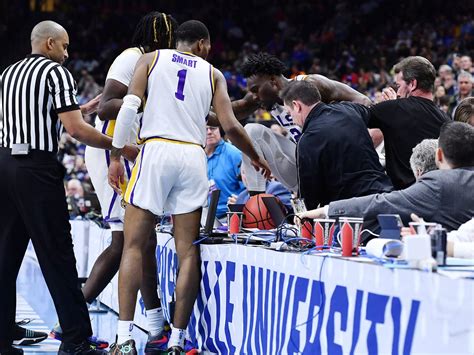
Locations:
column 38, row 97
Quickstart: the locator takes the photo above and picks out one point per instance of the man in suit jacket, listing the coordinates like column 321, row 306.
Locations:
column 335, row 155
column 444, row 196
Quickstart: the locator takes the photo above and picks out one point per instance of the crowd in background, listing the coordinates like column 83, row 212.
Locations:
column 356, row 42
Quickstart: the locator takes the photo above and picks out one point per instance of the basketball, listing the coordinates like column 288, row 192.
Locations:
column 256, row 214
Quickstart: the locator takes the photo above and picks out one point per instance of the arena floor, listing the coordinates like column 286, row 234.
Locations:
column 34, row 302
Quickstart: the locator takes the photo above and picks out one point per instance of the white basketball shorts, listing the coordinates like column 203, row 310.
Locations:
column 169, row 177
column 97, row 162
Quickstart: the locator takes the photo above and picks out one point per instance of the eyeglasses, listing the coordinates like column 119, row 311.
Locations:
column 212, row 129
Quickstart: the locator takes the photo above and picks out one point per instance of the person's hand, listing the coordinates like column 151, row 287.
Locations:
column 406, row 231
column 251, row 99
column 232, row 199
column 262, row 165
column 91, row 106
column 116, row 175
column 389, row 94
column 376, row 135
column 130, row 152
column 450, row 248
column 316, row 213
column 417, row 219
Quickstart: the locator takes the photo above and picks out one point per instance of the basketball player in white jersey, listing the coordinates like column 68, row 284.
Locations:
column 154, row 31
column 265, row 80
column 170, row 172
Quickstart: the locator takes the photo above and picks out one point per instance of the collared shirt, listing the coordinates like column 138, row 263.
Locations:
column 223, row 166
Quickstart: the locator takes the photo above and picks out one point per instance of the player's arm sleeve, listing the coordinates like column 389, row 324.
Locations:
column 63, row 89
column 131, row 102
column 125, row 120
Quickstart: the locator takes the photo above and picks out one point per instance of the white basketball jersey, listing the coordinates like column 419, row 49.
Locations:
column 180, row 90
column 285, row 120
column 121, row 70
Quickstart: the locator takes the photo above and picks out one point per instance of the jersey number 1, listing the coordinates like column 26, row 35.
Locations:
column 182, row 78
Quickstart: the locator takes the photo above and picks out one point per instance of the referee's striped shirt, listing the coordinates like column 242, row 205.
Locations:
column 33, row 92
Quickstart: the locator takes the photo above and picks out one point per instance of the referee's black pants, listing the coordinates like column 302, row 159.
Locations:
column 33, row 206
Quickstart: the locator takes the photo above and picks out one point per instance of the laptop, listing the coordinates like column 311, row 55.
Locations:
column 274, row 208
column 208, row 230
column 390, row 225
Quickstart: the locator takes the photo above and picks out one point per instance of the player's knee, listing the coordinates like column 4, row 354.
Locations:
column 134, row 241
column 188, row 253
column 254, row 130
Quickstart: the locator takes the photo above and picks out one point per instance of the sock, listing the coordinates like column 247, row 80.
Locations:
column 177, row 337
column 124, row 331
column 156, row 321
column 57, row 328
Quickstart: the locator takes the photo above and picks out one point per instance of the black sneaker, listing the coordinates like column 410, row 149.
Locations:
column 25, row 336
column 83, row 348
column 57, row 333
column 176, row 350
column 125, row 348
column 11, row 351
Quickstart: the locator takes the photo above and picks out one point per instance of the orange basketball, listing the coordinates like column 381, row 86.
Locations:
column 256, row 214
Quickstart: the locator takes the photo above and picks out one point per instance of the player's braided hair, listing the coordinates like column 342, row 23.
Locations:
column 262, row 63
column 155, row 30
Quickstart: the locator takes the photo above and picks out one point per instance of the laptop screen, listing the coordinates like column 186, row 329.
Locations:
column 211, row 213
column 275, row 210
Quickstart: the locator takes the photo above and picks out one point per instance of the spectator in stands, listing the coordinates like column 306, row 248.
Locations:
column 223, row 167
column 464, row 90
column 439, row 93
column 443, row 72
column 80, row 169
column 74, row 189
column 422, row 159
column 442, row 196
column 444, row 103
column 449, row 84
column 456, row 62
column 466, row 64
column 465, row 111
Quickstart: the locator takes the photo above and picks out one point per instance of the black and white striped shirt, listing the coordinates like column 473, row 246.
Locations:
column 33, row 92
